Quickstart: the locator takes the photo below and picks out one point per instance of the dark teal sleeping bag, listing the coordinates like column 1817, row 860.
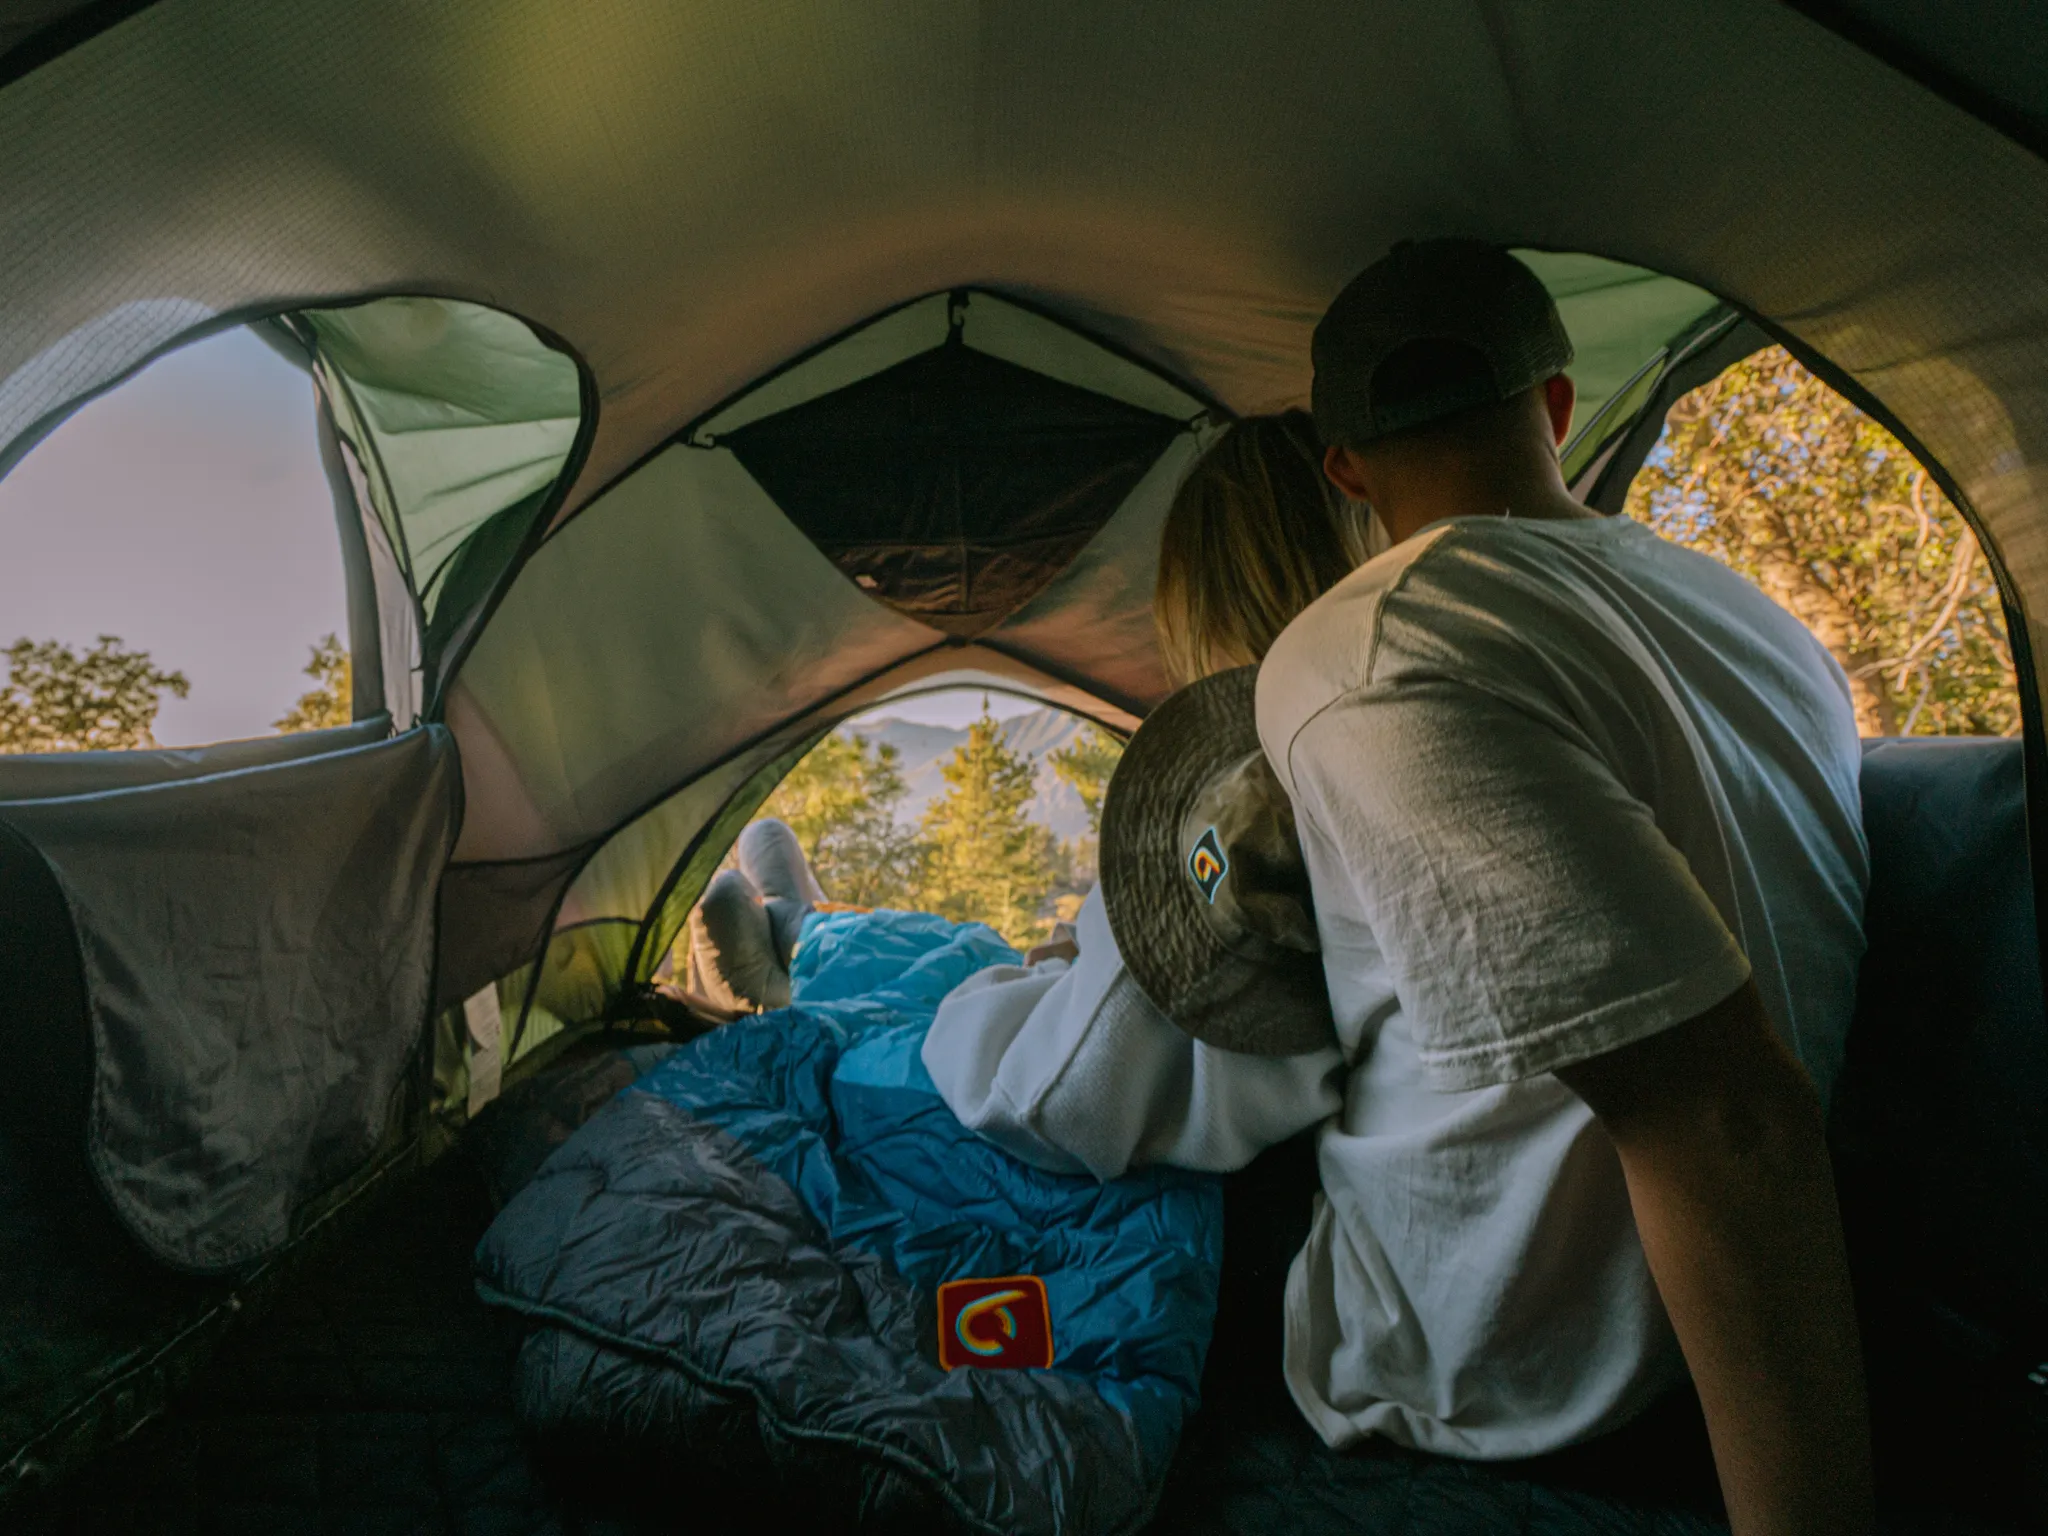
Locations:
column 740, row 1259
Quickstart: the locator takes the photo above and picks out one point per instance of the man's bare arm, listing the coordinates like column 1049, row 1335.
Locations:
column 1720, row 1135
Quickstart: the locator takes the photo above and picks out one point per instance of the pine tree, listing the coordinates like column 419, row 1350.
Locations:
column 1086, row 763
column 332, row 702
column 989, row 863
column 841, row 801
column 60, row 700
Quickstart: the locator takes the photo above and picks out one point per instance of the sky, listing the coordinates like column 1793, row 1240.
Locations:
column 955, row 708
column 186, row 512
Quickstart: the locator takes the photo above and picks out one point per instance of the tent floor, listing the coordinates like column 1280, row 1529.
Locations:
column 375, row 1395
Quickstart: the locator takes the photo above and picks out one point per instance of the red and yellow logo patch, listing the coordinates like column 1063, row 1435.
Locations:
column 995, row 1324
column 1207, row 864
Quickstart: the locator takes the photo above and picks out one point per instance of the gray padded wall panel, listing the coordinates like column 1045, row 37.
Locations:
column 258, row 953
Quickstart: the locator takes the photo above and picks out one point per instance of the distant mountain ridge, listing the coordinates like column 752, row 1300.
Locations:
column 923, row 750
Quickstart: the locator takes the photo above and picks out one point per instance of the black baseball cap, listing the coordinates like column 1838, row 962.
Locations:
column 1203, row 880
column 1432, row 328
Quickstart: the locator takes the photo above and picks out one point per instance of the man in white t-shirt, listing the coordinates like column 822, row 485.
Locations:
column 1579, row 810
column 1581, row 817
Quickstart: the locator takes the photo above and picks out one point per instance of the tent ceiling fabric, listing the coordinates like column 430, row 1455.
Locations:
column 644, row 642
column 692, row 195
column 1990, row 56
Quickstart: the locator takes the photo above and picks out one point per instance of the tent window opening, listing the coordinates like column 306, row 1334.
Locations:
column 872, row 805
column 173, row 577
column 1767, row 469
column 878, row 807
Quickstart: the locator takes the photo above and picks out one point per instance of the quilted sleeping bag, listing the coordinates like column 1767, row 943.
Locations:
column 738, row 1264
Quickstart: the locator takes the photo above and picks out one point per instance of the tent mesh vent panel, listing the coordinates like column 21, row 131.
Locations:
column 952, row 486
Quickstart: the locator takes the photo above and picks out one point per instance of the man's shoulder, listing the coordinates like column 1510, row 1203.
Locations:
column 1329, row 649
column 1436, row 603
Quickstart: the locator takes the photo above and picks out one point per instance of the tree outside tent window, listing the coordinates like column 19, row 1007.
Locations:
column 1771, row 472
column 993, row 820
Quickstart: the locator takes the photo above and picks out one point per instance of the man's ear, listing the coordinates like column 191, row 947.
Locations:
column 1340, row 464
column 1559, row 396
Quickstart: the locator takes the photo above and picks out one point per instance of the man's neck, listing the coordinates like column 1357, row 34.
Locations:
column 1406, row 510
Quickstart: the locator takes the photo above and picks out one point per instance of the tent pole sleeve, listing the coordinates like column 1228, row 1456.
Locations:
column 365, row 627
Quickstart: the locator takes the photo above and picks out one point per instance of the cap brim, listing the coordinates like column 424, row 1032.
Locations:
column 1277, row 1006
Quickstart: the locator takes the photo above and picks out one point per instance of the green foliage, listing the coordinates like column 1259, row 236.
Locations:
column 332, row 701
column 1086, row 763
column 60, row 700
column 840, row 801
column 1771, row 472
column 989, row 863
column 975, row 857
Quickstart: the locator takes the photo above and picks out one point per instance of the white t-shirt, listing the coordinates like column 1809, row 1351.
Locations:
column 1560, row 786
column 1071, row 1068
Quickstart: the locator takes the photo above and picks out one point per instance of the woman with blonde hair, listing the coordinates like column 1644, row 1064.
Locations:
column 1065, row 1062
column 1255, row 534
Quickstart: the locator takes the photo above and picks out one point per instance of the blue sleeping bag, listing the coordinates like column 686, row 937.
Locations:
column 738, row 1261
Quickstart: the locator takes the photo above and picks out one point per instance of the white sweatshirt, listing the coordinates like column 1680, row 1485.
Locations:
column 1070, row 1068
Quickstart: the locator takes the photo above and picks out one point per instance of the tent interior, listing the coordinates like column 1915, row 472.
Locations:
column 691, row 379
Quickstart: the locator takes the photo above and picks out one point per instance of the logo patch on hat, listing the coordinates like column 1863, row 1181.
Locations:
column 1207, row 864
column 995, row 1324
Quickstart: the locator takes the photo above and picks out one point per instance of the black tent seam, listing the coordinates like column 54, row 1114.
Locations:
column 761, row 737
column 537, row 530
column 510, row 1049
column 1697, row 340
column 1606, row 490
column 1901, row 57
column 525, row 858
column 957, row 295
column 1212, row 408
column 50, row 43
column 590, row 922
column 668, row 883
column 1196, row 392
column 1062, row 675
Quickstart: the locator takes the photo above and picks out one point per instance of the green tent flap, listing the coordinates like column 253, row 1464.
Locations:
column 453, row 411
column 1625, row 322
